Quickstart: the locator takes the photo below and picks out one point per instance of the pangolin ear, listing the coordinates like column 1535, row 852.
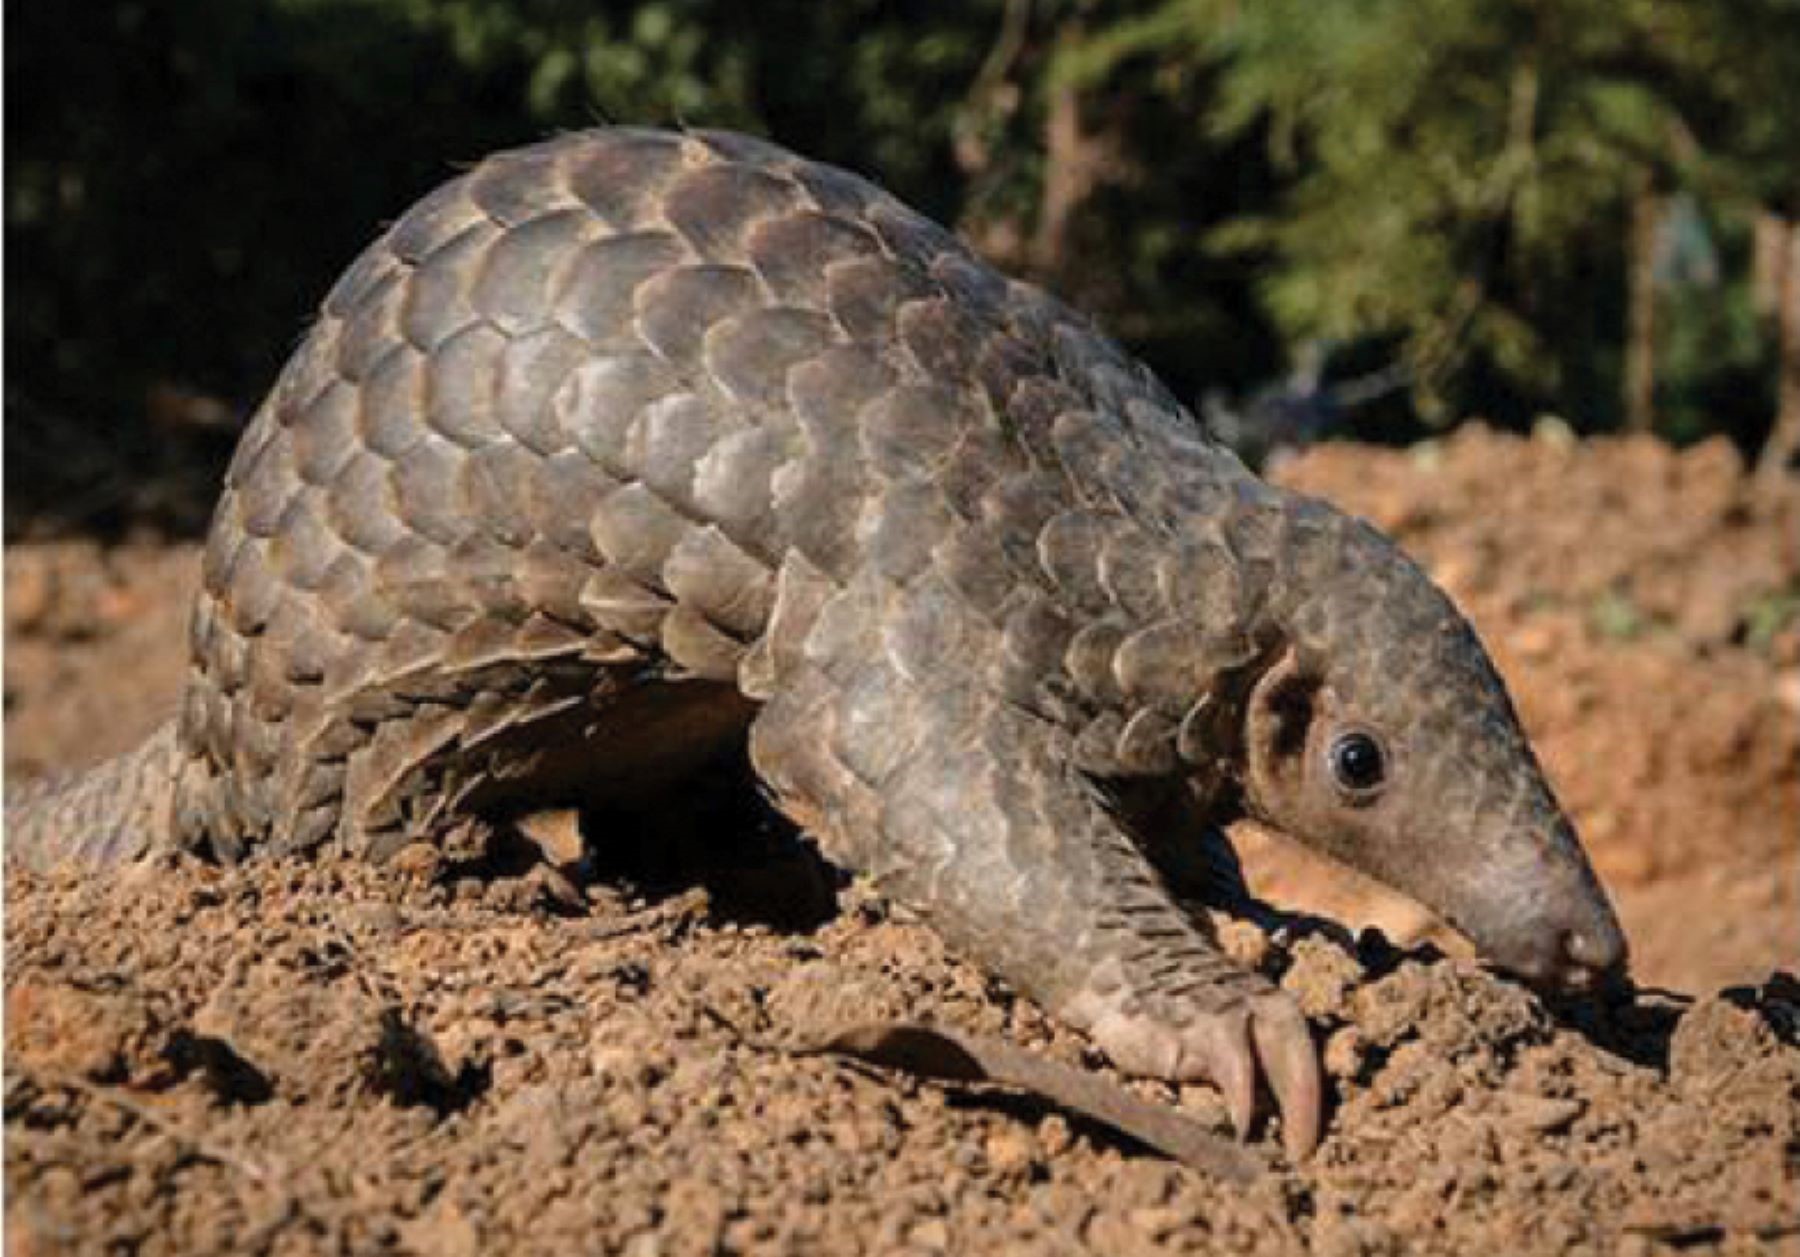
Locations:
column 1282, row 705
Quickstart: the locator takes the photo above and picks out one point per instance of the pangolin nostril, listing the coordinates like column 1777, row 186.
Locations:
column 1600, row 951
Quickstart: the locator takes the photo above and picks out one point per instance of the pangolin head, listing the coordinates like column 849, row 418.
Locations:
column 1383, row 736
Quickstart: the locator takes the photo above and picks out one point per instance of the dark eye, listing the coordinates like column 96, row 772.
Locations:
column 1357, row 762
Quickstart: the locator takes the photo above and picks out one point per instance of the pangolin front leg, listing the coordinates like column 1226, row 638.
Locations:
column 968, row 808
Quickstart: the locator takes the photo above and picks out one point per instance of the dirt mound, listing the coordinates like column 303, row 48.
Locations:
column 96, row 646
column 312, row 1059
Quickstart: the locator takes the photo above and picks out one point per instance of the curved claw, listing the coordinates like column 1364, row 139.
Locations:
column 1284, row 1045
column 1228, row 1048
column 1230, row 1065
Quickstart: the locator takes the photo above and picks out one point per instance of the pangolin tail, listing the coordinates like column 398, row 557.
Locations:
column 115, row 812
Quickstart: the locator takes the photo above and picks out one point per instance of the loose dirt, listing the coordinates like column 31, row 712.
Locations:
column 297, row 1059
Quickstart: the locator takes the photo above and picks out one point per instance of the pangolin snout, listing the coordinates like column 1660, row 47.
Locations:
column 1584, row 956
column 1535, row 909
column 1595, row 950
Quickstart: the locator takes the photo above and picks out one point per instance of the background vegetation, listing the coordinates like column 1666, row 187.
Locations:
column 1413, row 210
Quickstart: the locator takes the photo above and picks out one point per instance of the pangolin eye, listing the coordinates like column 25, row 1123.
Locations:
column 1357, row 762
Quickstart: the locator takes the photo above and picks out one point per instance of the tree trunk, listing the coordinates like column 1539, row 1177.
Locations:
column 1640, row 330
column 1778, row 453
column 1077, row 160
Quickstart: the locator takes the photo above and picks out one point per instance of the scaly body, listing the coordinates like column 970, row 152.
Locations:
column 628, row 441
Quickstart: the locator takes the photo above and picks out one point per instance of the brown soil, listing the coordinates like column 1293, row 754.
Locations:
column 299, row 1059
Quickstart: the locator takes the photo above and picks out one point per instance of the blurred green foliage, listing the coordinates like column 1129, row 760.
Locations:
column 1447, row 183
column 1460, row 174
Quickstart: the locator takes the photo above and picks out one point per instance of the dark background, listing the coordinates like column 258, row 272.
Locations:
column 1372, row 218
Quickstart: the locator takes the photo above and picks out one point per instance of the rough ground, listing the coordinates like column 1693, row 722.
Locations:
column 296, row 1059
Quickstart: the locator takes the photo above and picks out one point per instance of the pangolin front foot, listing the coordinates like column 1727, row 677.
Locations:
column 1229, row 1046
column 972, row 817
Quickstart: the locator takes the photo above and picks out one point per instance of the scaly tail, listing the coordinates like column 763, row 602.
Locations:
column 117, row 811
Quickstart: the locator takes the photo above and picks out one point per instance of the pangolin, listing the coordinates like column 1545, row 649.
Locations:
column 625, row 443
